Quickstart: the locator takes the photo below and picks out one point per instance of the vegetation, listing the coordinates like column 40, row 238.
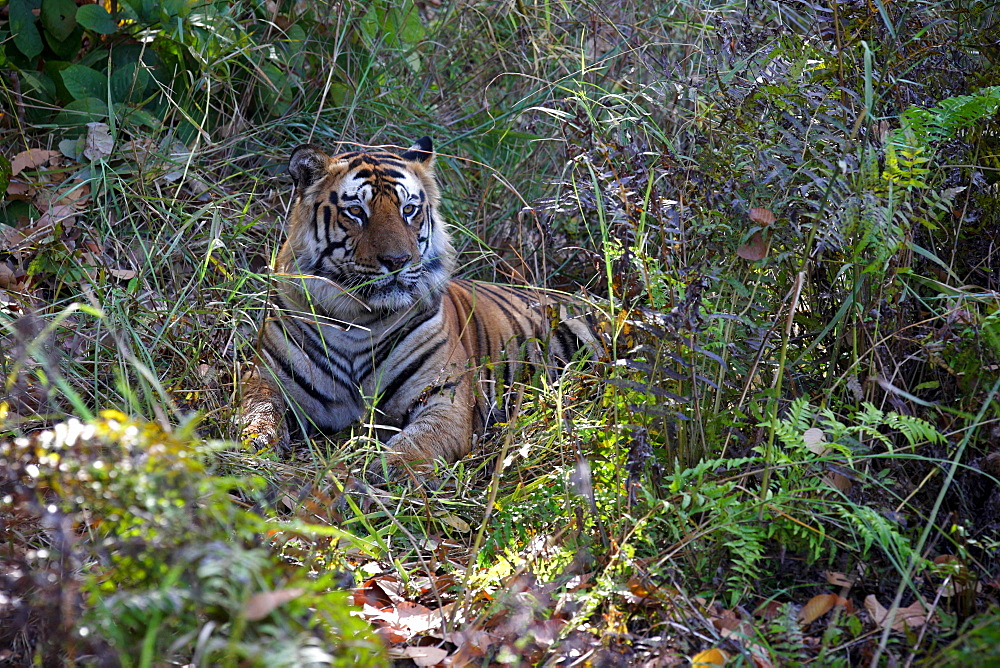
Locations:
column 788, row 213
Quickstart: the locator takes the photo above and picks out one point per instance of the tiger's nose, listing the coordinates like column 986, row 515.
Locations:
column 394, row 262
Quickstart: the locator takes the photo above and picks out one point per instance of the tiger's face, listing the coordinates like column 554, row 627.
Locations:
column 364, row 232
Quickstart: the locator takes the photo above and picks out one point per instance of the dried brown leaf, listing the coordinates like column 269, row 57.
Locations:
column 762, row 216
column 817, row 606
column 454, row 521
column 125, row 275
column 425, row 656
column 914, row 615
column 417, row 618
column 814, row 439
column 30, row 159
column 18, row 190
column 261, row 605
column 838, row 481
column 768, row 610
column 839, row 579
column 99, row 142
column 756, row 249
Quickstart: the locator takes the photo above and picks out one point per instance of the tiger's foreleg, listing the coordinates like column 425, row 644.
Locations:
column 262, row 411
column 439, row 430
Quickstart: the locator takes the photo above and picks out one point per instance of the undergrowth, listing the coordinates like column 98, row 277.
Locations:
column 786, row 213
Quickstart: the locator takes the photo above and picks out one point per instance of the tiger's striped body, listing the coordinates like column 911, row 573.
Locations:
column 365, row 313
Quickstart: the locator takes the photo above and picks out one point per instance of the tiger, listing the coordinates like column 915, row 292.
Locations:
column 365, row 314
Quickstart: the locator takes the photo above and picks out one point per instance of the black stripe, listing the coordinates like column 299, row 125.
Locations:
column 502, row 293
column 407, row 373
column 323, row 352
column 365, row 173
column 327, row 215
column 296, row 378
column 387, row 345
column 384, row 159
column 497, row 353
column 392, row 174
column 315, row 225
column 318, row 349
column 569, row 344
column 332, row 246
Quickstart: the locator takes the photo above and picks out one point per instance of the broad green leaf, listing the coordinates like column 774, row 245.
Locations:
column 4, row 173
column 81, row 112
column 127, row 115
column 274, row 93
column 59, row 18
column 407, row 21
column 68, row 48
column 145, row 11
column 22, row 26
column 96, row 18
column 39, row 85
column 128, row 83
column 84, row 82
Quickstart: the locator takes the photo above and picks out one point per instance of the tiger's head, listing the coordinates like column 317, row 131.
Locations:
column 364, row 232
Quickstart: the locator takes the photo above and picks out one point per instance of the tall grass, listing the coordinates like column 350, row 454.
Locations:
column 795, row 264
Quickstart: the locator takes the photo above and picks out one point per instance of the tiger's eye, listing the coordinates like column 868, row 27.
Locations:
column 408, row 209
column 355, row 210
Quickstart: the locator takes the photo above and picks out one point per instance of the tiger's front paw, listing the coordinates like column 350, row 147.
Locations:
column 263, row 439
column 401, row 466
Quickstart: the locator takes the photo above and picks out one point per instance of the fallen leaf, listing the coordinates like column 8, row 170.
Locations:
column 6, row 275
column 392, row 635
column 814, row 439
column 417, row 618
column 756, row 249
column 710, row 657
column 839, row 579
column 261, row 605
column 913, row 615
column 727, row 620
column 838, row 481
column 817, row 606
column 123, row 274
column 76, row 194
column 99, row 141
column 371, row 592
column 768, row 610
column 30, row 159
column 762, row 216
column 454, row 521
column 426, row 656
column 19, row 190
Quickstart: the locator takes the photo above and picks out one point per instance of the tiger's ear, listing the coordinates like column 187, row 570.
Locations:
column 307, row 165
column 422, row 151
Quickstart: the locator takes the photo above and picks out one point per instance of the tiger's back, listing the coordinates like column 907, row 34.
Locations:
column 365, row 313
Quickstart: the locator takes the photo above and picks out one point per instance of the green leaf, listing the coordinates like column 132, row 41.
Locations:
column 81, row 112
column 39, row 85
column 84, row 82
column 132, row 116
column 4, row 173
column 22, row 26
column 97, row 19
column 275, row 92
column 128, row 83
column 66, row 48
column 59, row 18
column 145, row 11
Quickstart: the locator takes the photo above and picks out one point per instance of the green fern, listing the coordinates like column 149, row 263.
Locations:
column 874, row 528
